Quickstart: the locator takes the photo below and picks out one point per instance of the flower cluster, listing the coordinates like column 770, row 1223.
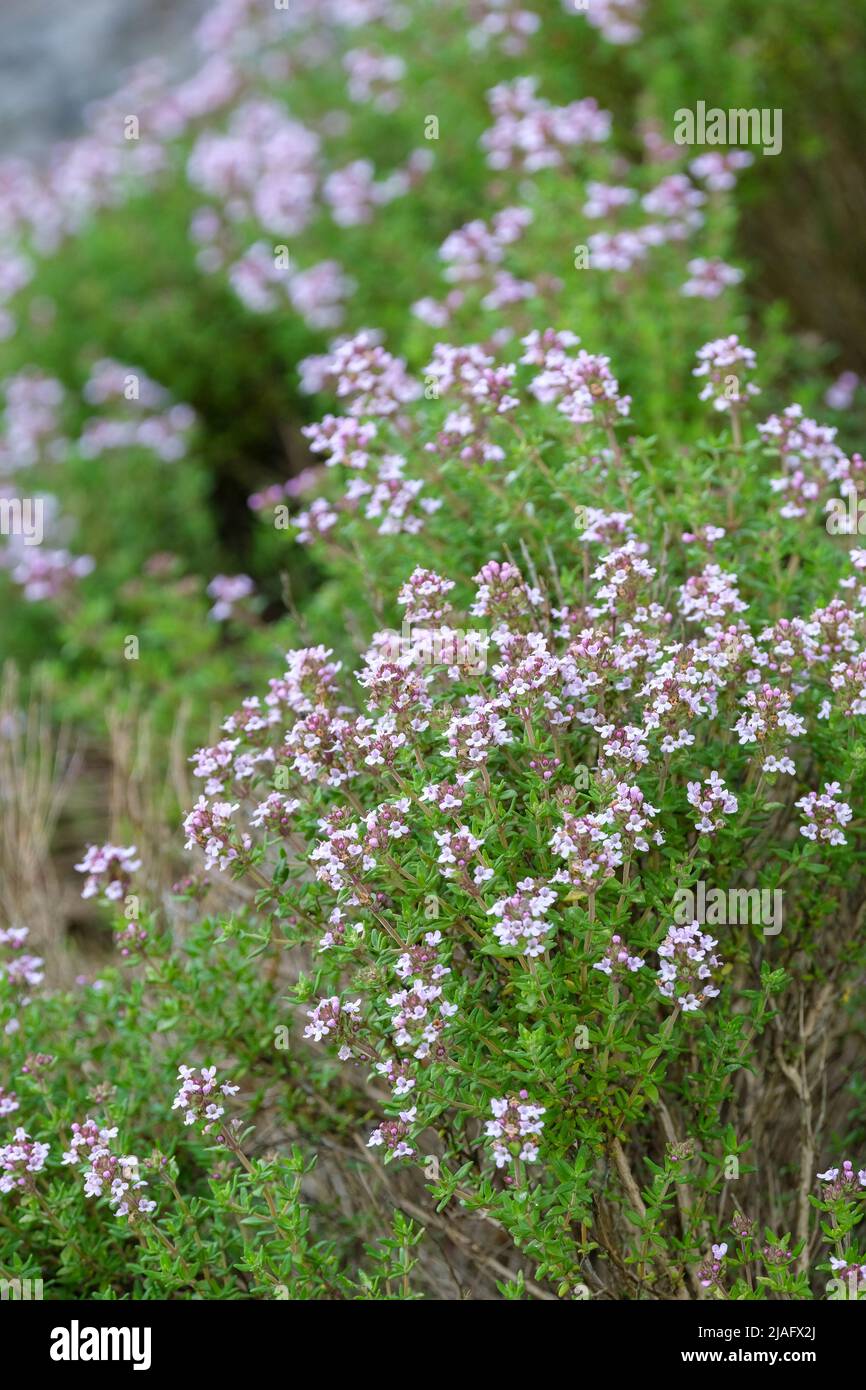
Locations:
column 20, row 1161
column 227, row 590
column 769, row 722
column 710, row 594
column 719, row 170
column 825, row 815
column 424, row 596
column 842, row 1182
column 617, row 959
column 583, row 387
column 131, row 939
column 711, row 1268
column 618, row 21
column 457, row 851
column 687, row 963
column 709, row 278
column 809, row 456
column 9, row 1102
column 44, row 574
column 530, row 134
column 391, row 1134
column 521, row 918
column 515, row 1129
column 108, row 1174
column 198, row 1096
column 143, row 415
column 109, row 870
column 21, row 970
column 726, row 363
column 330, row 1018
column 474, row 259
column 505, row 23
column 374, row 77
column 422, row 1016
column 208, row 825
column 712, row 804
column 592, row 854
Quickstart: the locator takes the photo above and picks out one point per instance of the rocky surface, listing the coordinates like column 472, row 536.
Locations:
column 55, row 57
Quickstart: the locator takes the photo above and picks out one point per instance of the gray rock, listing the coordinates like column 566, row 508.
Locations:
column 55, row 58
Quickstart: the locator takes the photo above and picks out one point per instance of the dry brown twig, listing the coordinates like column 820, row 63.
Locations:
column 38, row 767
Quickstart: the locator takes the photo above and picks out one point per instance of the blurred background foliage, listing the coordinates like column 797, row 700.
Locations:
column 127, row 286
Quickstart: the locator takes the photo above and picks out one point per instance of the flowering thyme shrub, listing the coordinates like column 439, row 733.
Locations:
column 493, row 930
column 515, row 872
column 490, row 859
column 544, row 882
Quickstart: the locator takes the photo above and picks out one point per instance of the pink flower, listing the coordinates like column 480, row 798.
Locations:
column 20, row 970
column 825, row 815
column 198, row 1096
column 107, row 1174
column 618, row 21
column 675, row 198
column 713, row 804
column 319, row 293
column 515, row 1129
column 424, row 596
column 841, row 394
column 391, row 1134
column 617, row 960
column 330, row 1016
column 592, row 854
column 448, row 797
column 475, row 248
column 362, row 373
column 20, row 1161
column 228, row 590
column 457, row 851
column 504, row 23
column 603, row 199
column 842, row 1182
column 45, row 574
column 687, row 962
column 725, row 363
column 708, row 279
column 374, row 77
column 9, row 1102
column 769, row 722
column 619, row 250
column 109, row 870
column 208, row 825
column 530, row 134
column 718, row 170
column 809, row 456
column 522, row 917
column 316, row 521
column 583, row 387
column 343, row 438
column 711, row 1268
column 711, row 594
